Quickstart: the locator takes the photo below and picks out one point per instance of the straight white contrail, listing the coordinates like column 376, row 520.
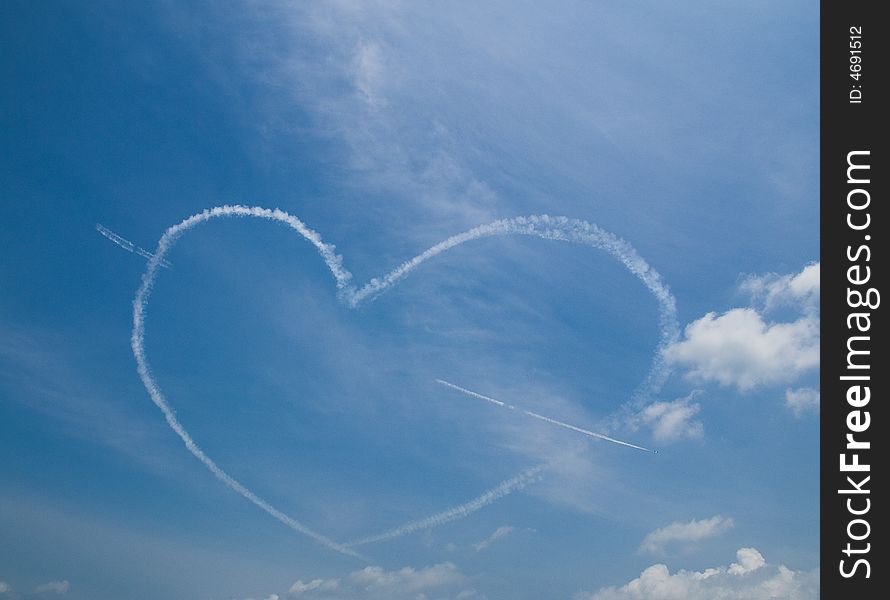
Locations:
column 544, row 226
column 535, row 415
column 127, row 244
column 458, row 512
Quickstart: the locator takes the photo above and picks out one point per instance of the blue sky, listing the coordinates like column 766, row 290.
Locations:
column 689, row 130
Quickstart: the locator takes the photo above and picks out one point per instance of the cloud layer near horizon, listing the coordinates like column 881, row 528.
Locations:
column 750, row 578
column 441, row 581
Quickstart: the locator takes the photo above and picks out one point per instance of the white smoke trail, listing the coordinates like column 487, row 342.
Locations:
column 566, row 230
column 127, row 244
column 535, row 415
column 147, row 255
column 554, row 228
column 140, row 303
column 458, row 512
column 122, row 242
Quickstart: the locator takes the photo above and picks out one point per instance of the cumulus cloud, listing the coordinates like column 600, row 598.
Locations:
column 671, row 421
column 441, row 581
column 54, row 587
column 739, row 348
column 499, row 533
column 691, row 531
column 4, row 587
column 802, row 400
column 743, row 347
column 751, row 578
column 773, row 290
column 749, row 560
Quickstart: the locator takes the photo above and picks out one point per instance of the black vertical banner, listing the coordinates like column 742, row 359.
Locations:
column 854, row 368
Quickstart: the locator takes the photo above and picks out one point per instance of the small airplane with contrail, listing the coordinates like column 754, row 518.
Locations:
column 128, row 245
column 535, row 415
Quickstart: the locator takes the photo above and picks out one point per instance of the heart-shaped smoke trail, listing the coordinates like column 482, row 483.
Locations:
column 458, row 512
column 543, row 226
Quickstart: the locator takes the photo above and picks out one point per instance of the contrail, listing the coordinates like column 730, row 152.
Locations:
column 458, row 512
column 566, row 230
column 140, row 303
column 544, row 226
column 127, row 244
column 535, row 415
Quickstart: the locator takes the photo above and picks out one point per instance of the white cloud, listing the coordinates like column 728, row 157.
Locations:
column 751, row 578
column 802, row 400
column 368, row 71
column 775, row 290
column 316, row 584
column 742, row 348
column 407, row 579
column 55, row 587
column 375, row 583
column 372, row 93
column 749, row 560
column 4, row 587
column 499, row 533
column 672, row 421
column 692, row 531
column 739, row 348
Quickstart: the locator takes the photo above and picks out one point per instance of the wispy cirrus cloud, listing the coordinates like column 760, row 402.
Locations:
column 685, row 533
column 802, row 401
column 44, row 371
column 367, row 97
column 498, row 534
